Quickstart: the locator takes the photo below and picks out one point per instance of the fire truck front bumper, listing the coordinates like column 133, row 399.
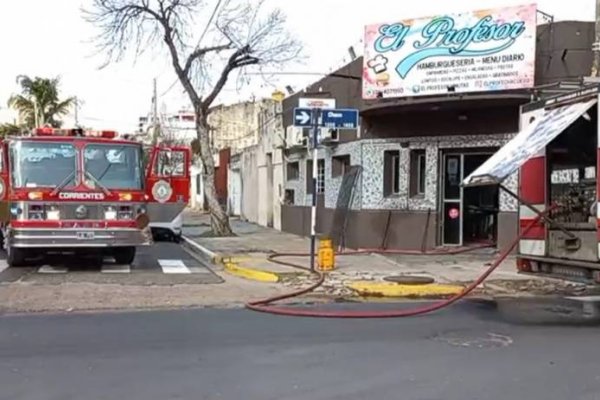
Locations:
column 55, row 238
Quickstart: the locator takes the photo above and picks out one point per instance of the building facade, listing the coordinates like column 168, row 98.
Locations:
column 256, row 171
column 415, row 151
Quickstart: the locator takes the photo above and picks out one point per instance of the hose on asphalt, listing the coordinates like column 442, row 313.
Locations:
column 266, row 305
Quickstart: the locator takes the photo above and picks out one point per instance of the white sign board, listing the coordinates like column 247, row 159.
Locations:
column 475, row 51
column 527, row 144
column 305, row 102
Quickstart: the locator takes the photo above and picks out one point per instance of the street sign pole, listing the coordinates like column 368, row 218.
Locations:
column 313, row 212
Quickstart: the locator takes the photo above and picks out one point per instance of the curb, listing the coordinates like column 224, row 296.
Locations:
column 232, row 266
column 390, row 289
column 215, row 258
column 249, row 273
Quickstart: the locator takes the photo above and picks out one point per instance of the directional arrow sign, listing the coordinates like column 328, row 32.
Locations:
column 340, row 118
column 302, row 117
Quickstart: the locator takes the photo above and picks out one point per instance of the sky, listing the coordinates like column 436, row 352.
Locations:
column 50, row 38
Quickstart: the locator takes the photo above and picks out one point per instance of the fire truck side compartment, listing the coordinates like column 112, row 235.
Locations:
column 571, row 181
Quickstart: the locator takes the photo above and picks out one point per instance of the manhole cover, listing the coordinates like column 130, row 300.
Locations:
column 409, row 279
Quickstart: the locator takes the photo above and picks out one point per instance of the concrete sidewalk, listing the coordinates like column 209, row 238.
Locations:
column 245, row 255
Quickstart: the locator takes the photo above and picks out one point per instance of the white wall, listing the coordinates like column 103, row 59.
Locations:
column 250, row 188
column 196, row 193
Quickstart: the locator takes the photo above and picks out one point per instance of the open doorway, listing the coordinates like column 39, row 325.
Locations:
column 469, row 215
column 480, row 219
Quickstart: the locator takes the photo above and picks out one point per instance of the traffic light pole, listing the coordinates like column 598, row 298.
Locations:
column 315, row 115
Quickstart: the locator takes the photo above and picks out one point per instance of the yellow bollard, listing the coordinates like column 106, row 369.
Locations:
column 326, row 255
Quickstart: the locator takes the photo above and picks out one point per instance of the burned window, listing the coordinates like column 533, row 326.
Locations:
column 391, row 172
column 340, row 165
column 289, row 197
column 417, row 172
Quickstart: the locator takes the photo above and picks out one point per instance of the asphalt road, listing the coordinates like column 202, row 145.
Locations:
column 162, row 263
column 462, row 353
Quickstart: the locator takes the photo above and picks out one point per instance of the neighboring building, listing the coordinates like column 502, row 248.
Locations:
column 233, row 128
column 256, row 171
column 415, row 151
column 236, row 126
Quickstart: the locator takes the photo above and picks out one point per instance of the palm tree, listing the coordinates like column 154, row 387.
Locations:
column 38, row 103
column 10, row 129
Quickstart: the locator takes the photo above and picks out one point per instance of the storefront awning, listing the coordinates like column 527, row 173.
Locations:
column 526, row 144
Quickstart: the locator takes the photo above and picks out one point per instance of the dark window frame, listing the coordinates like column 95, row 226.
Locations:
column 417, row 173
column 293, row 166
column 391, row 173
column 340, row 165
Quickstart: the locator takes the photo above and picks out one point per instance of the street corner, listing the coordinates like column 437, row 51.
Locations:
column 398, row 290
column 250, row 267
column 162, row 264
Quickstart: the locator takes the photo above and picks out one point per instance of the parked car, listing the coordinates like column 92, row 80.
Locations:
column 170, row 231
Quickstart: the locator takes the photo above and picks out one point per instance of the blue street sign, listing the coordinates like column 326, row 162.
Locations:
column 340, row 118
column 302, row 117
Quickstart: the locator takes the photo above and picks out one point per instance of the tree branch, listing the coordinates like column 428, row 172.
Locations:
column 240, row 58
column 199, row 53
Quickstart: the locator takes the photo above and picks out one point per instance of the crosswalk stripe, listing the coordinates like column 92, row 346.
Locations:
column 173, row 267
column 47, row 269
column 116, row 269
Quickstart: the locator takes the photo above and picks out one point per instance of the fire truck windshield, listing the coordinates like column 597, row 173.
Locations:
column 113, row 166
column 42, row 164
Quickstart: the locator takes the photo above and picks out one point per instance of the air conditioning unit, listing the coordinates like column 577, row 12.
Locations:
column 328, row 135
column 294, row 137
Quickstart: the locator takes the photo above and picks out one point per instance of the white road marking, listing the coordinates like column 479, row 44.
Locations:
column 173, row 267
column 3, row 265
column 116, row 269
column 47, row 269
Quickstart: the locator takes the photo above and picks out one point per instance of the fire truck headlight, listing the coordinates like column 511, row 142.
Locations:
column 110, row 213
column 53, row 214
column 15, row 210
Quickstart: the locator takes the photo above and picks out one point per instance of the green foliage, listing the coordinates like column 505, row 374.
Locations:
column 10, row 130
column 39, row 102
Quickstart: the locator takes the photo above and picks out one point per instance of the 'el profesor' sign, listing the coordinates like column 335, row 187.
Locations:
column 441, row 38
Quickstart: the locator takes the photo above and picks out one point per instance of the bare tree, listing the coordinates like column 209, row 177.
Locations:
column 242, row 36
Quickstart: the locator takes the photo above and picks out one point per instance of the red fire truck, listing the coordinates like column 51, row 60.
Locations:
column 556, row 155
column 89, row 192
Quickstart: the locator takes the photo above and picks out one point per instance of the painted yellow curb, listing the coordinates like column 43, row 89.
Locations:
column 390, row 289
column 249, row 273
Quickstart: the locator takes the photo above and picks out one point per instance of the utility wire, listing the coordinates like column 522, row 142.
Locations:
column 212, row 16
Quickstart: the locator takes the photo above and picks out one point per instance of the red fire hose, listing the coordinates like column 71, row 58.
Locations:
column 266, row 306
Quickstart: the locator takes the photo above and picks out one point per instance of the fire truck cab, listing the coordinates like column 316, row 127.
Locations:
column 556, row 154
column 87, row 192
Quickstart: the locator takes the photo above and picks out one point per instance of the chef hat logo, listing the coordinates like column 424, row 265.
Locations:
column 378, row 64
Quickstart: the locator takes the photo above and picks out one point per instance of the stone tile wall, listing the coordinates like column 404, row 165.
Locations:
column 369, row 154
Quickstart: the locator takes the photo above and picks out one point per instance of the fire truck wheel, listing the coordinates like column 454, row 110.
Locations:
column 15, row 257
column 124, row 255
